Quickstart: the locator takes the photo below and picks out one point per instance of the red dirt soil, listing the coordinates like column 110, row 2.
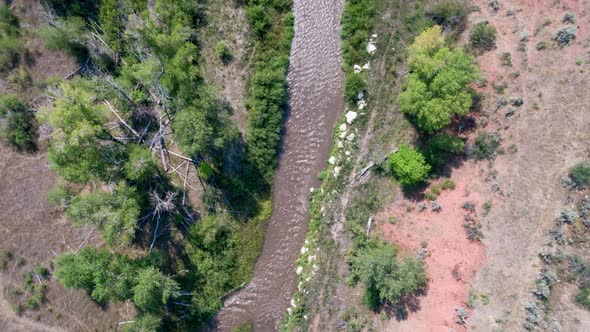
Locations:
column 452, row 259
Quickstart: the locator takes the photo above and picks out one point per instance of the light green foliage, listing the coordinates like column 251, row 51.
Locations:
column 153, row 289
column 580, row 174
column 141, row 165
column 409, row 166
column 105, row 276
column 79, row 149
column 483, row 36
column 387, row 279
column 144, row 323
column 437, row 86
column 115, row 214
column 66, row 35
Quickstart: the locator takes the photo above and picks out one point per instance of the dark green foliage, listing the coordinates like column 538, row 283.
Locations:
column 387, row 280
column 483, row 36
column 357, row 22
column 106, row 277
column 267, row 93
column 115, row 214
column 451, row 14
column 353, row 85
column 20, row 126
column 409, row 166
column 141, row 165
column 583, row 298
column 111, row 16
column 580, row 174
column 486, row 145
column 259, row 19
column 10, row 46
column 439, row 148
column 223, row 51
column 82, row 8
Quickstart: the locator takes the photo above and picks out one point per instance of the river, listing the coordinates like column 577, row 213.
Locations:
column 316, row 101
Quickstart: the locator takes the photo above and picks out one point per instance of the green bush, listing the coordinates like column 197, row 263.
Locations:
column 386, row 279
column 223, row 51
column 583, row 298
column 580, row 174
column 20, row 126
column 486, row 145
column 10, row 49
column 357, row 23
column 438, row 149
column 450, row 14
column 67, row 36
column 409, row 166
column 141, row 165
column 259, row 19
column 483, row 36
column 353, row 85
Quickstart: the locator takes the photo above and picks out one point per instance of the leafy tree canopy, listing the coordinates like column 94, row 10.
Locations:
column 409, row 165
column 437, row 86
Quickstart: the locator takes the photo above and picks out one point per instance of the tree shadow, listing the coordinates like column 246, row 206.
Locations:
column 408, row 304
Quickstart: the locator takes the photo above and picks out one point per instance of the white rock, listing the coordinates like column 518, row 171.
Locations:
column 350, row 137
column 351, row 116
column 360, row 96
column 342, row 127
column 371, row 48
column 340, row 145
column 311, row 189
column 310, row 258
column 347, row 153
column 332, row 160
column 337, row 170
column 289, row 310
column 366, row 66
column 293, row 303
column 342, row 134
column 357, row 69
column 315, row 267
column 361, row 104
column 304, row 250
column 305, row 317
column 374, row 35
column 299, row 270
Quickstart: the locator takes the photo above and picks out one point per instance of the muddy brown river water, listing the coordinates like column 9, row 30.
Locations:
column 316, row 101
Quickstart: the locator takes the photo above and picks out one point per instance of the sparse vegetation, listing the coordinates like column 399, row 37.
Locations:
column 20, row 126
column 486, row 145
column 580, row 174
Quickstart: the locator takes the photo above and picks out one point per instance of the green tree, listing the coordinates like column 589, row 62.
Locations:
column 437, row 86
column 80, row 148
column 439, row 148
column 409, row 166
column 387, row 280
column 66, row 35
column 153, row 289
column 141, row 165
column 115, row 214
column 259, row 18
column 20, row 130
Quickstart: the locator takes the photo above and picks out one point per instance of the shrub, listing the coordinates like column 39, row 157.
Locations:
column 10, row 48
column 259, row 18
column 409, row 166
column 483, row 36
column 580, row 174
column 438, row 149
column 486, row 145
column 583, row 298
column 450, row 14
column 223, row 51
column 387, row 280
column 67, row 36
column 141, row 165
column 353, row 85
column 20, row 126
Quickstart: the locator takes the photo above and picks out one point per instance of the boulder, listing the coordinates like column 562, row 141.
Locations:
column 342, row 127
column 371, row 48
column 350, row 137
column 351, row 116
column 332, row 160
column 361, row 104
column 357, row 69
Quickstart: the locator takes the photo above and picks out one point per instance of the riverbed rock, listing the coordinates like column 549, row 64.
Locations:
column 342, row 135
column 361, row 104
column 357, row 69
column 350, row 137
column 332, row 160
column 340, row 144
column 337, row 170
column 351, row 116
column 342, row 127
column 367, row 66
column 299, row 270
column 371, row 48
